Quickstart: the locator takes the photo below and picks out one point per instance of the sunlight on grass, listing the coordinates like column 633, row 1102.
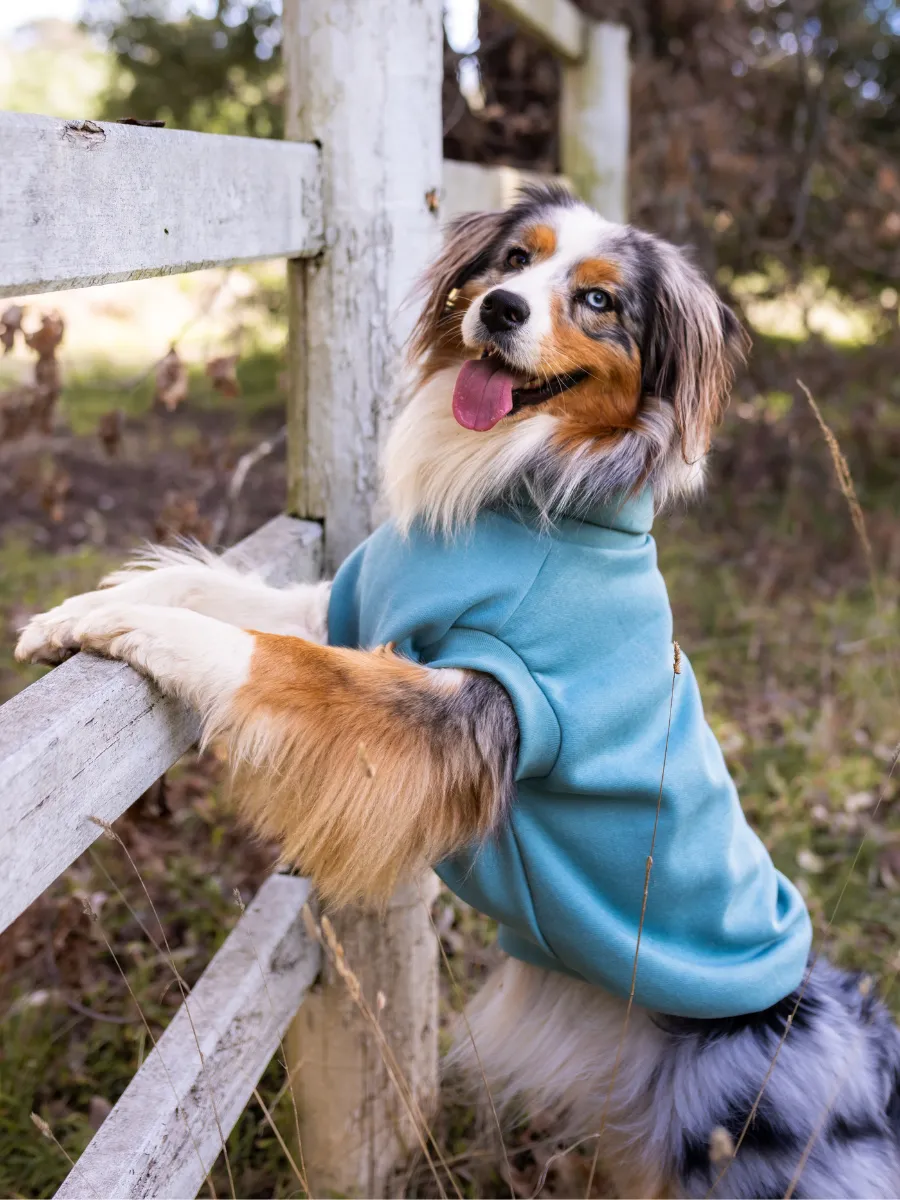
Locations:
column 776, row 307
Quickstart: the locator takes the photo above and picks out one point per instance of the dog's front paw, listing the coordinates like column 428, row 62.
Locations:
column 87, row 622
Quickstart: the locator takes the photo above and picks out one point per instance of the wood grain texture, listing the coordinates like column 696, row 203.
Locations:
column 83, row 203
column 594, row 121
column 557, row 23
column 90, row 736
column 161, row 1138
column 363, row 81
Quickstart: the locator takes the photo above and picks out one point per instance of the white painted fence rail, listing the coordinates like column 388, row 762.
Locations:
column 89, row 737
column 83, row 203
column 163, row 1136
column 558, row 24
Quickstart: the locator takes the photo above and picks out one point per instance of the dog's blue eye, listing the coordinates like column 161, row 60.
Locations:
column 598, row 300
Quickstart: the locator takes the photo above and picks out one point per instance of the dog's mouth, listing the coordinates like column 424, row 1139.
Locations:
column 488, row 389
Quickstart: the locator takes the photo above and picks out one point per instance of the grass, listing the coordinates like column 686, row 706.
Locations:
column 32, row 579
column 799, row 693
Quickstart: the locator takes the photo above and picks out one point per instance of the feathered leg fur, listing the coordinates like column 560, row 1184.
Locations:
column 363, row 765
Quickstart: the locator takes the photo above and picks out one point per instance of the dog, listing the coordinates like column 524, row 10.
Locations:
column 489, row 686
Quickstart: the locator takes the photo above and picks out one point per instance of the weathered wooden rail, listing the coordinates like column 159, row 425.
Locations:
column 353, row 199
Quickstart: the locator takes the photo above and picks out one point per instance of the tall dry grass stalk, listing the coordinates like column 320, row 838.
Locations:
column 182, row 987
column 462, row 1002
column 45, row 1131
column 178, row 1108
column 300, row 1171
column 676, row 671
column 848, row 491
column 815, row 955
column 866, row 983
column 324, row 933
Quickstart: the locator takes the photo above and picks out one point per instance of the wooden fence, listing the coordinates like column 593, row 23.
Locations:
column 353, row 199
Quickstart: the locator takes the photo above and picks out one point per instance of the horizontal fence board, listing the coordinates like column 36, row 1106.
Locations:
column 91, row 736
column 83, row 203
column 470, row 187
column 161, row 1138
column 557, row 23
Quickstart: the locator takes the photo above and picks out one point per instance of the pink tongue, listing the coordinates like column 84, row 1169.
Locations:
column 482, row 395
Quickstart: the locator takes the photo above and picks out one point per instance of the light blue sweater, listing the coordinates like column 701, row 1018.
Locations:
column 576, row 625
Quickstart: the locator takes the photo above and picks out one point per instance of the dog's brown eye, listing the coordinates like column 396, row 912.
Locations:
column 517, row 258
column 598, row 300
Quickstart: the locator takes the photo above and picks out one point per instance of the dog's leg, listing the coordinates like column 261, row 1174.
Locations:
column 363, row 765
column 193, row 580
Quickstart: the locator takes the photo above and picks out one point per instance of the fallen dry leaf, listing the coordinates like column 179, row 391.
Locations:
column 171, row 381
column 44, row 340
column 10, row 325
column 222, row 372
column 109, row 430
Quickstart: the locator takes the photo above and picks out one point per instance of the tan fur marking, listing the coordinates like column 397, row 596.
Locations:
column 596, row 272
column 607, row 400
column 337, row 761
column 540, row 240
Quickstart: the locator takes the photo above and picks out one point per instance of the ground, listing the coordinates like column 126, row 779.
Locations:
column 773, row 601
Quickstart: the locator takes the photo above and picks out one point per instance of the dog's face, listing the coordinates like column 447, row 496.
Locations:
column 610, row 336
column 554, row 325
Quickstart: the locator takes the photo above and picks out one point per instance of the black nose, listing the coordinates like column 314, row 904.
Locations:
column 502, row 311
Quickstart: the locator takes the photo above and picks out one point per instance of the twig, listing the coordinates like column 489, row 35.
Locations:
column 676, row 670
column 134, row 383
column 238, row 478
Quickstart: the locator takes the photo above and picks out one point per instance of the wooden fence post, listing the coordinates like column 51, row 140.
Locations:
column 594, row 124
column 364, row 81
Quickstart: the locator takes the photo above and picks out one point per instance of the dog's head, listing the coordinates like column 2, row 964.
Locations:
column 563, row 354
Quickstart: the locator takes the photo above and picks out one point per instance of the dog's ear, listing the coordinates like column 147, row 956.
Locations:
column 469, row 241
column 691, row 346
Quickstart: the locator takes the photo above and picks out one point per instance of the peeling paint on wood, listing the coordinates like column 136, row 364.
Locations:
column 364, row 80
column 161, row 1138
column 92, row 735
column 83, row 203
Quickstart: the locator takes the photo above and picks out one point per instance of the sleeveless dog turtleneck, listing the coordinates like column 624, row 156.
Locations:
column 575, row 623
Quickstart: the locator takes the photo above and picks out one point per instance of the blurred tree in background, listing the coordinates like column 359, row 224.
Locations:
column 215, row 69
column 760, row 131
